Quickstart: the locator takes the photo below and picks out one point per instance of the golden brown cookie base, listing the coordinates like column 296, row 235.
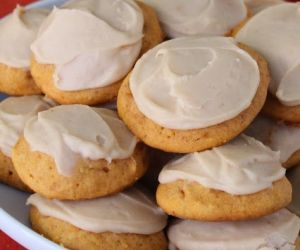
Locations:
column 276, row 110
column 17, row 82
column 184, row 141
column 76, row 239
column 43, row 73
column 8, row 174
column 90, row 179
column 190, row 200
column 293, row 160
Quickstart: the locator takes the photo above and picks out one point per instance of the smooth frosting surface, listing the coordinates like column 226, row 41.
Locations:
column 275, row 33
column 131, row 211
column 17, row 31
column 187, row 83
column 276, row 135
column 92, row 43
column 68, row 132
column 14, row 113
column 277, row 231
column 240, row 167
column 259, row 5
column 194, row 17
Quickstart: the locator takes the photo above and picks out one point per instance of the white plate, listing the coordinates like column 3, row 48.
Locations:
column 14, row 212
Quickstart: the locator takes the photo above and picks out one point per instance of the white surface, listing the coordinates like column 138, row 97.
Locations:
column 14, row 220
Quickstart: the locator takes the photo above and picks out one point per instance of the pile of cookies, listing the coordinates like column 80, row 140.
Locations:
column 201, row 95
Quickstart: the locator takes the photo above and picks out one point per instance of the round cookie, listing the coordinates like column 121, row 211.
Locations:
column 269, row 32
column 14, row 113
column 43, row 73
column 191, row 140
column 191, row 200
column 90, row 179
column 279, row 137
column 238, row 181
column 119, row 234
column 78, row 166
column 17, row 32
column 276, row 231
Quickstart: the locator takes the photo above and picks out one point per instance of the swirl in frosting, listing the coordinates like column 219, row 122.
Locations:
column 68, row 132
column 17, row 31
column 276, row 231
column 243, row 166
column 195, row 17
column 188, row 83
column 92, row 43
column 275, row 33
column 131, row 211
column 14, row 113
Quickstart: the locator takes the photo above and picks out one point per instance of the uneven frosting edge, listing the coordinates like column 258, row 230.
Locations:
column 243, row 166
column 131, row 211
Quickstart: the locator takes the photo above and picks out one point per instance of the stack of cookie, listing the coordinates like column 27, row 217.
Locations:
column 78, row 159
column 195, row 94
column 198, row 94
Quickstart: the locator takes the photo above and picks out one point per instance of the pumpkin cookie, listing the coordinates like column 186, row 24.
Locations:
column 277, row 231
column 237, row 181
column 179, row 95
column 128, row 220
column 17, row 32
column 279, row 137
column 206, row 18
column 14, row 113
column 277, row 38
column 76, row 152
column 91, row 70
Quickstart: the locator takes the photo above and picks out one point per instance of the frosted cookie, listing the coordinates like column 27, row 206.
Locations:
column 193, row 17
column 128, row 220
column 84, row 50
column 281, row 137
column 17, row 32
column 14, row 113
column 237, row 181
column 179, row 96
column 275, row 33
column 278, row 231
column 77, row 152
column 259, row 5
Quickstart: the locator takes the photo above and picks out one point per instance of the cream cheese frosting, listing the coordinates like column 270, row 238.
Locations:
column 277, row 231
column 68, row 132
column 92, row 43
column 131, row 211
column 14, row 113
column 17, row 31
column 276, row 135
column 240, row 167
column 259, row 5
column 275, row 33
column 187, row 83
column 194, row 17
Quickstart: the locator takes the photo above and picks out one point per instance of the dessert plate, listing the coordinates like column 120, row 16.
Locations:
column 14, row 212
